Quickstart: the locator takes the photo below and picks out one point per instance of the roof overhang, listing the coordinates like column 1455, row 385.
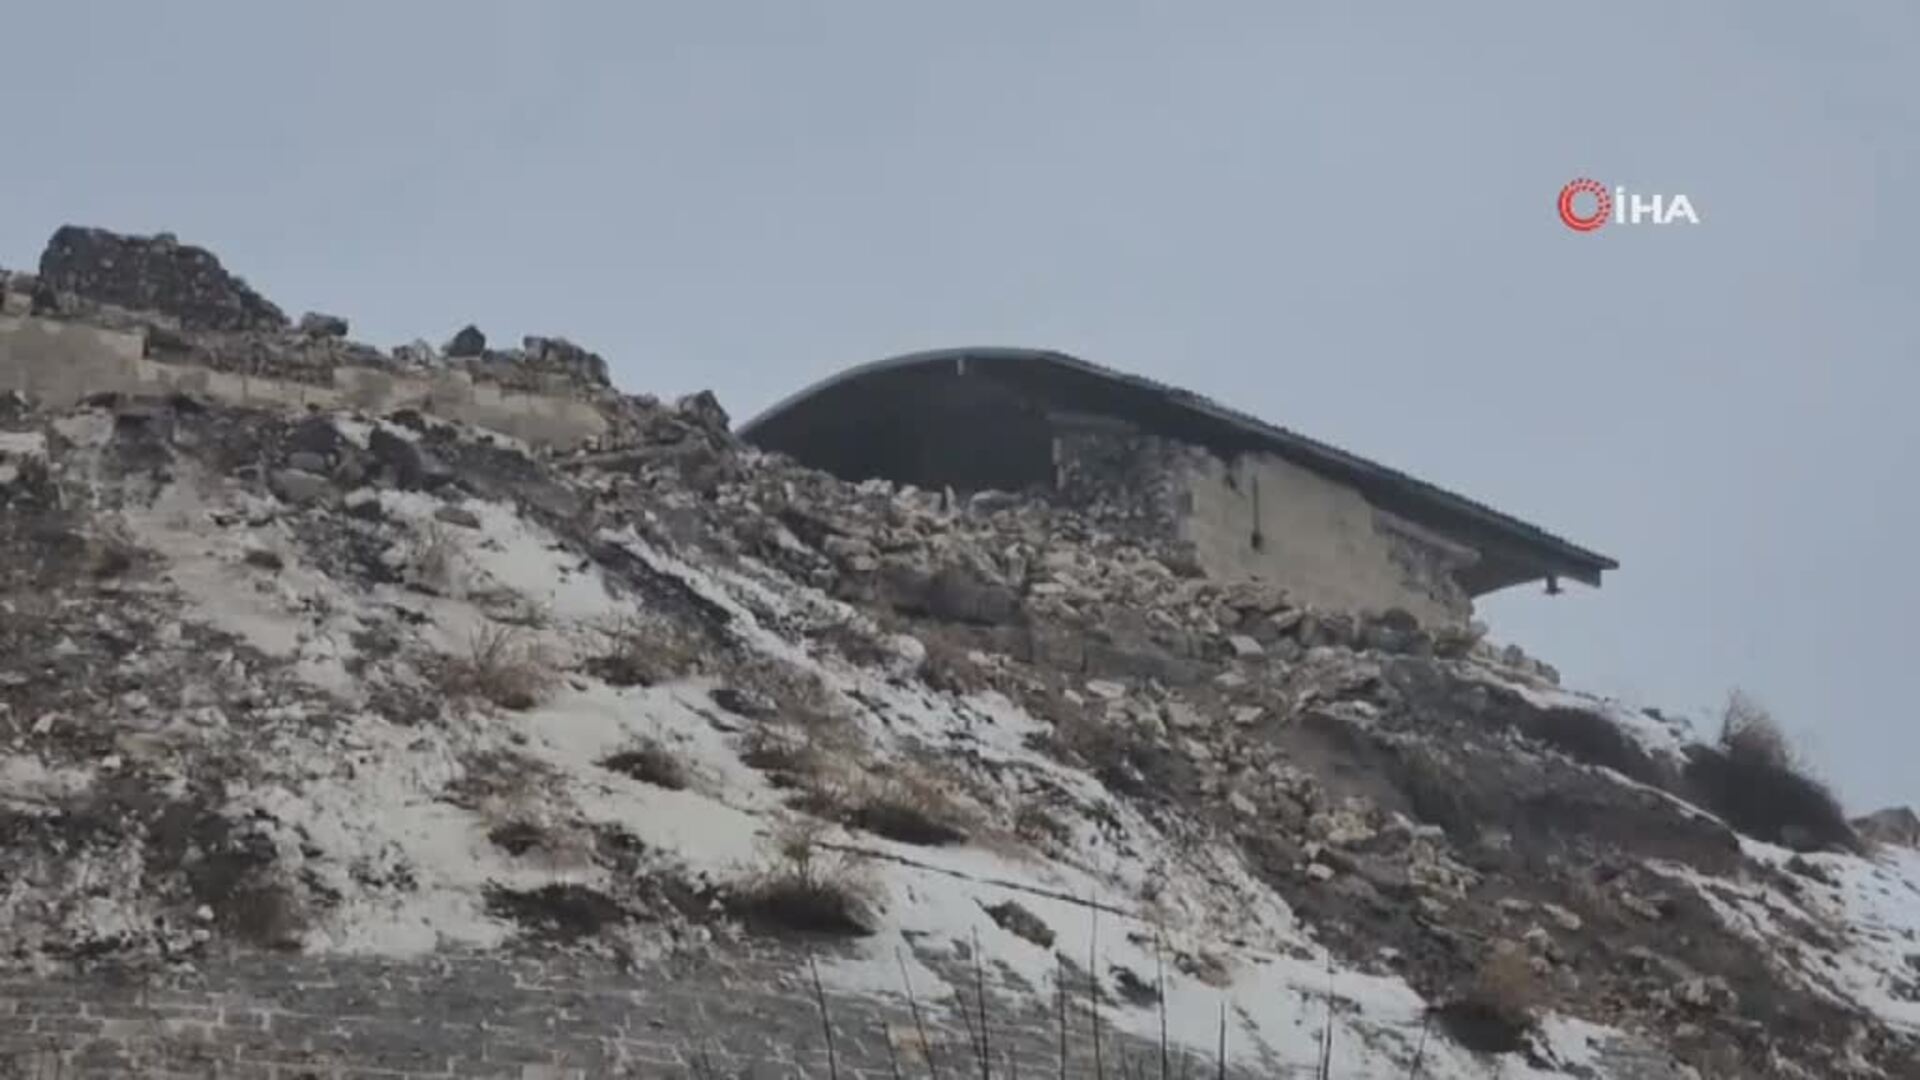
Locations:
column 1511, row 551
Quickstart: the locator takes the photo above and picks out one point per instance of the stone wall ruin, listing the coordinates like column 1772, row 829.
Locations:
column 143, row 316
column 1258, row 516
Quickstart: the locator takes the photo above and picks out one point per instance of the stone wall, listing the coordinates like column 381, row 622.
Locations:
column 59, row 363
column 544, row 1017
column 1260, row 516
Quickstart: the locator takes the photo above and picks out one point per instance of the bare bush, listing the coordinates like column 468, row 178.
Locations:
column 647, row 651
column 650, row 762
column 1756, row 782
column 806, row 888
column 1750, row 733
column 1496, row 1011
column 503, row 667
column 910, row 808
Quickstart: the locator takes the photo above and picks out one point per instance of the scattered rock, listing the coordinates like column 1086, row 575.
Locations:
column 457, row 515
column 301, row 488
column 315, row 324
column 1244, row 647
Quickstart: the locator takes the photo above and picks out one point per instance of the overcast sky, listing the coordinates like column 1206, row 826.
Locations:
column 1334, row 217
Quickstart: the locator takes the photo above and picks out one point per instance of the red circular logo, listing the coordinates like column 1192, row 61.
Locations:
column 1602, row 208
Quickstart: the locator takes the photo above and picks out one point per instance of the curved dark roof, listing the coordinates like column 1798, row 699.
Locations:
column 1068, row 381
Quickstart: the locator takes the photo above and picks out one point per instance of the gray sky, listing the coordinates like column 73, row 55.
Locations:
column 1342, row 222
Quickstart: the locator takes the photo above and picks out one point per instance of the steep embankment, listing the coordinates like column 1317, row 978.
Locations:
column 383, row 690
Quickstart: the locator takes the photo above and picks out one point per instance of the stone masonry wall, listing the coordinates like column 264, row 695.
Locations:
column 1259, row 516
column 60, row 363
column 547, row 1017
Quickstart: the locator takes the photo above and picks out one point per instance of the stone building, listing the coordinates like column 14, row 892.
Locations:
column 1247, row 499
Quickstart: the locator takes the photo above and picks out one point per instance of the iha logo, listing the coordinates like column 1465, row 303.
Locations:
column 1585, row 205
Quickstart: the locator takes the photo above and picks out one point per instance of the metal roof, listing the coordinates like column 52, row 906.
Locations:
column 1410, row 493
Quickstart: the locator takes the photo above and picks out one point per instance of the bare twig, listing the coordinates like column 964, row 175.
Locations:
column 1420, row 1052
column 980, row 991
column 1220, row 1055
column 1093, row 988
column 919, row 1024
column 1060, row 991
column 826, row 1020
column 1160, row 990
column 1326, row 1033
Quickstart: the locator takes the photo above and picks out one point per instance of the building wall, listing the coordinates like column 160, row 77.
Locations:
column 1320, row 540
column 61, row 363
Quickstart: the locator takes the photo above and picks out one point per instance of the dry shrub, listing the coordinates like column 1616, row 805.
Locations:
column 1495, row 1013
column 806, row 888
column 1038, row 822
column 949, row 670
column 814, row 754
column 647, row 651
column 1748, row 732
column 503, row 667
column 650, row 762
column 910, row 809
column 1755, row 781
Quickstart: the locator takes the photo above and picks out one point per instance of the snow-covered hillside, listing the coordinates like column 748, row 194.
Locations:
column 382, row 686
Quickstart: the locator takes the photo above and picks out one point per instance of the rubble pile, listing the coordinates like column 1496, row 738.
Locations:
column 226, row 636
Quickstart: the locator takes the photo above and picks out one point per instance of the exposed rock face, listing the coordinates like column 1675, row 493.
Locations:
column 1894, row 825
column 156, row 274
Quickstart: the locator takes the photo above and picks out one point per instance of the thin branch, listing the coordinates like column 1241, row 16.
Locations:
column 826, row 1020
column 919, row 1024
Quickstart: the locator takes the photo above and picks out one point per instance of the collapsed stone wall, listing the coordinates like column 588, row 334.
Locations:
column 126, row 314
column 1118, row 475
column 1258, row 517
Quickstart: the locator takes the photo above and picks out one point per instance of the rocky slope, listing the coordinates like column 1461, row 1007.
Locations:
column 383, row 685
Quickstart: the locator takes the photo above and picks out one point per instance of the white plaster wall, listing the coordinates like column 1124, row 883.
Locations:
column 1321, row 541
column 59, row 364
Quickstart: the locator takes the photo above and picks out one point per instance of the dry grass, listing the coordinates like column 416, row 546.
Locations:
column 910, row 803
column 806, row 888
column 502, row 666
column 647, row 651
column 797, row 695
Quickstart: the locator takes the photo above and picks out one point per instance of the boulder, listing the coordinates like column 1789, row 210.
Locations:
column 469, row 342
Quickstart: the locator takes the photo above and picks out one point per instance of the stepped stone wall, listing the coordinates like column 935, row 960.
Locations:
column 60, row 363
